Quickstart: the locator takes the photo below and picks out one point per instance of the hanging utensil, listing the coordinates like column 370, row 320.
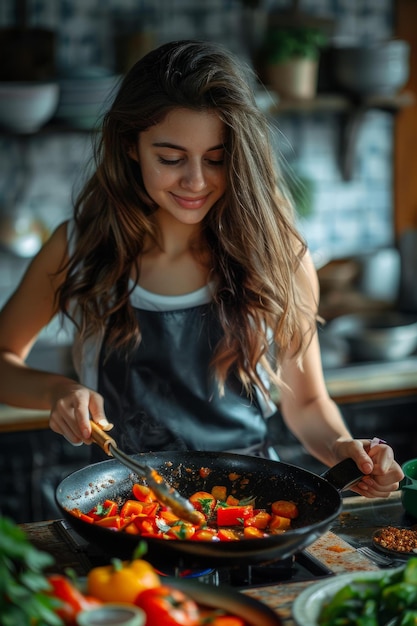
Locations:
column 166, row 494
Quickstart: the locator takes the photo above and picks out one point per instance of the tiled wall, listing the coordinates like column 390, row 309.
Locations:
column 347, row 217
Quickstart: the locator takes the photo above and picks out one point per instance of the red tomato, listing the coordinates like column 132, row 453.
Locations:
column 166, row 606
column 73, row 601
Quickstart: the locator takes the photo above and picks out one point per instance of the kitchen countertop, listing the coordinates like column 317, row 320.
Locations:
column 13, row 419
column 362, row 381
column 351, row 383
column 336, row 549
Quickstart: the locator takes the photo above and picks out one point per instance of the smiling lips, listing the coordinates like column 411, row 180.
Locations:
column 190, row 203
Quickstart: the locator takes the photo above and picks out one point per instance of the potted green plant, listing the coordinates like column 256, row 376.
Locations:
column 289, row 58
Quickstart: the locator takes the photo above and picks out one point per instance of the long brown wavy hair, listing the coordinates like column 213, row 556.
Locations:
column 253, row 245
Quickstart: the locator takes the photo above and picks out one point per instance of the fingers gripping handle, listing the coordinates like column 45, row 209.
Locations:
column 102, row 438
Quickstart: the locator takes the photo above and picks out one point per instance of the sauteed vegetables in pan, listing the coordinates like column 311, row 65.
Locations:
column 222, row 516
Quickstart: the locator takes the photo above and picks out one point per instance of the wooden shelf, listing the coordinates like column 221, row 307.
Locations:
column 334, row 103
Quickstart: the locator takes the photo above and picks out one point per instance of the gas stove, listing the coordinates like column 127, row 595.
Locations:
column 297, row 568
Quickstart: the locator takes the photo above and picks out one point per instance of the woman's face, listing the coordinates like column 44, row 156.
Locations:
column 182, row 163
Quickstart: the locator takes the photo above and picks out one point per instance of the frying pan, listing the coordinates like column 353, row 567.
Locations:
column 318, row 498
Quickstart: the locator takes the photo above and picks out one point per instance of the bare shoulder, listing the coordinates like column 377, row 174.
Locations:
column 49, row 264
column 57, row 244
column 307, row 282
column 54, row 254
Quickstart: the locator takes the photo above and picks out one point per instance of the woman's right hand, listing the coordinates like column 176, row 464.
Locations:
column 73, row 406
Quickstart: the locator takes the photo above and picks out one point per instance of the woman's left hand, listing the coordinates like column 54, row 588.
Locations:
column 375, row 458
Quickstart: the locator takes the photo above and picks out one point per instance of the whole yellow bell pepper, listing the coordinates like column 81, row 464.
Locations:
column 122, row 580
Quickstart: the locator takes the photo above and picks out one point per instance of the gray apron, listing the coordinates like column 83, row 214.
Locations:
column 164, row 396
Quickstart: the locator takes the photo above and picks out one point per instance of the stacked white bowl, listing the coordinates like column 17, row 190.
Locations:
column 27, row 106
column 85, row 95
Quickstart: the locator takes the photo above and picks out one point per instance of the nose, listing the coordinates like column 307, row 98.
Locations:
column 193, row 177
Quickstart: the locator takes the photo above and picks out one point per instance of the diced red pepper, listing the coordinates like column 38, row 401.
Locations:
column 146, row 525
column 130, row 527
column 131, row 507
column 279, row 523
column 260, row 520
column 150, row 509
column 83, row 516
column 108, row 508
column 115, row 521
column 234, row 515
column 251, row 532
column 143, row 493
column 227, row 534
column 205, row 534
column 169, row 517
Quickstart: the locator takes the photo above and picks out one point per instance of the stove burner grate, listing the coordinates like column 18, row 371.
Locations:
column 297, row 568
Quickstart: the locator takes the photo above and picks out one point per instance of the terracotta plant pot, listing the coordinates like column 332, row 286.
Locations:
column 295, row 78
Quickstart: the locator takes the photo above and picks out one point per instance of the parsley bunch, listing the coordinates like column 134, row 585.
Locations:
column 24, row 598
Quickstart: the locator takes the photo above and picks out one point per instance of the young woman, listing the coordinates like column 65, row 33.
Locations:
column 191, row 290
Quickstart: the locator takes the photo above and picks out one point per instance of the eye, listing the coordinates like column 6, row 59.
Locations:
column 215, row 162
column 168, row 161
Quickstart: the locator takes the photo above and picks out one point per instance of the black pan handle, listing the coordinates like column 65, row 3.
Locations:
column 343, row 475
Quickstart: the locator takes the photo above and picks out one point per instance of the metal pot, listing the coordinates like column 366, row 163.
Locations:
column 378, row 67
column 318, row 499
column 377, row 336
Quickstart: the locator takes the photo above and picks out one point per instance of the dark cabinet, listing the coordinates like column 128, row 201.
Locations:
column 32, row 463
column 392, row 419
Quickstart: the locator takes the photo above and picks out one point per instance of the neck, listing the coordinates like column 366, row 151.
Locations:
column 174, row 237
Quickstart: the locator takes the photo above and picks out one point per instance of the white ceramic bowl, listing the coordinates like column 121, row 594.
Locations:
column 26, row 106
column 308, row 605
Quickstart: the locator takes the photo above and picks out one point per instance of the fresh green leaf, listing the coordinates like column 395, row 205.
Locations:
column 23, row 584
column 247, row 501
column 282, row 44
column 140, row 550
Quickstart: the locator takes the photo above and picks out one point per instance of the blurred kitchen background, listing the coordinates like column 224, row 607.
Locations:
column 346, row 148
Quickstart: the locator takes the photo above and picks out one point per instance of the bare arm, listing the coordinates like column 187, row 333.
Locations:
column 29, row 309
column 315, row 419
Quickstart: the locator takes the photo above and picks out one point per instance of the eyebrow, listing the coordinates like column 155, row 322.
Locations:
column 167, row 144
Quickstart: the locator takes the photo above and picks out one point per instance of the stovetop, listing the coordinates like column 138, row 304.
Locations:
column 297, row 568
